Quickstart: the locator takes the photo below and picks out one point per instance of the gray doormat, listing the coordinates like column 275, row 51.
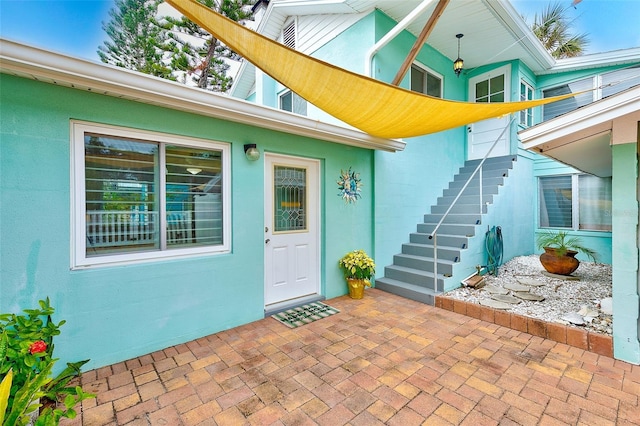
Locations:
column 305, row 314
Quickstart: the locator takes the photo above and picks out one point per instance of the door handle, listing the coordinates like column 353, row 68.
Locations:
column 267, row 241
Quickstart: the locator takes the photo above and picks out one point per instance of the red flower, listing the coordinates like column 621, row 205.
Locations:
column 37, row 347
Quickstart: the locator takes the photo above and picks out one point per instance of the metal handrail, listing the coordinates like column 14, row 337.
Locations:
column 433, row 234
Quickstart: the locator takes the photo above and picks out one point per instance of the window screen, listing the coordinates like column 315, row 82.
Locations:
column 555, row 202
column 138, row 196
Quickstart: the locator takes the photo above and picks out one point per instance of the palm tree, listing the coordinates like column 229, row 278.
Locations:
column 553, row 29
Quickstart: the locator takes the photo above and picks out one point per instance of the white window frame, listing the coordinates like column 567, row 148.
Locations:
column 427, row 70
column 575, row 205
column 79, row 259
column 293, row 96
column 528, row 113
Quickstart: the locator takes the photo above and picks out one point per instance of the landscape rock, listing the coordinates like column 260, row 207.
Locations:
column 561, row 295
column 606, row 306
column 516, row 287
column 495, row 304
column 530, row 282
column 496, row 290
column 574, row 318
column 525, row 295
column 505, row 298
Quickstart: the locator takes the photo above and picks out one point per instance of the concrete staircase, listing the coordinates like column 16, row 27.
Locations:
column 411, row 274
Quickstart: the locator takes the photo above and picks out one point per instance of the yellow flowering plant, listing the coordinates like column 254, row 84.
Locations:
column 357, row 264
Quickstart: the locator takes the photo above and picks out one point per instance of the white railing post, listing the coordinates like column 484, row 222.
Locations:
column 435, row 263
column 480, row 174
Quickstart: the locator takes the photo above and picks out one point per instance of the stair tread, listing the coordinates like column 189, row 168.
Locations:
column 391, row 281
column 454, row 214
column 440, row 247
column 420, row 271
column 415, row 256
column 439, row 235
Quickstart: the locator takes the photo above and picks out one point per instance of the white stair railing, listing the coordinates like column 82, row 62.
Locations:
column 434, row 234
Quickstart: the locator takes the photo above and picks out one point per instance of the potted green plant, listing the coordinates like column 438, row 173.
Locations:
column 560, row 250
column 358, row 268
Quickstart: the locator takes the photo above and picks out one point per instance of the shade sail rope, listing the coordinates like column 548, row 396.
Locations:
column 375, row 107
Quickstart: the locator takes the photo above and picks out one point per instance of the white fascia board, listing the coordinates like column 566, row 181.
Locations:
column 614, row 57
column 311, row 7
column 527, row 39
column 588, row 116
column 119, row 82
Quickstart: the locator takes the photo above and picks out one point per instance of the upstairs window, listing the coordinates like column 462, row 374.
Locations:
column 526, row 94
column 141, row 195
column 424, row 81
column 616, row 81
column 289, row 101
column 490, row 90
column 577, row 202
column 596, row 87
column 555, row 109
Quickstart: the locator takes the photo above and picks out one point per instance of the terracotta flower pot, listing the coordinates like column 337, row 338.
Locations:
column 556, row 264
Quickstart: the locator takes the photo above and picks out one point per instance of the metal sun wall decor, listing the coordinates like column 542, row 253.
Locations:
column 349, row 186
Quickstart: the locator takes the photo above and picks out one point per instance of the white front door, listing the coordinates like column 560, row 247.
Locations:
column 490, row 87
column 292, row 214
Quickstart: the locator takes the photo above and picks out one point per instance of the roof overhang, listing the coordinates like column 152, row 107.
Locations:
column 611, row 58
column 583, row 138
column 53, row 68
column 493, row 30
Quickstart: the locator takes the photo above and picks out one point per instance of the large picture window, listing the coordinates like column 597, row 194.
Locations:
column 142, row 195
column 578, row 202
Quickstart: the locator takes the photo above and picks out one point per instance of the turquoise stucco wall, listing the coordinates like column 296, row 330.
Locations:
column 626, row 286
column 116, row 313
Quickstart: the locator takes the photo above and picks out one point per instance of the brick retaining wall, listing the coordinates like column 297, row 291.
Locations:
column 598, row 343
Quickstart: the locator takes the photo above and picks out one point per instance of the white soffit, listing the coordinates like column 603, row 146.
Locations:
column 582, row 138
column 49, row 67
column 493, row 30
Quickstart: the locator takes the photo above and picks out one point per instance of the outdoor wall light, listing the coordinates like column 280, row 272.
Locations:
column 458, row 64
column 251, row 151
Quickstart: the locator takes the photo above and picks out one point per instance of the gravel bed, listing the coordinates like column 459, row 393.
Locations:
column 563, row 299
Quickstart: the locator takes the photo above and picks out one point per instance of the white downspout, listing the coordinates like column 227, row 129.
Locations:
column 401, row 26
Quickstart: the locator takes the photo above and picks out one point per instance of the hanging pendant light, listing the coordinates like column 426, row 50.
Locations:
column 458, row 63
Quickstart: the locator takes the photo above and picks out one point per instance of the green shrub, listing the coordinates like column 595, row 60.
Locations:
column 26, row 349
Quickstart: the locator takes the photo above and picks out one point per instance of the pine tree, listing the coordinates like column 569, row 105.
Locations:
column 197, row 55
column 553, row 29
column 136, row 38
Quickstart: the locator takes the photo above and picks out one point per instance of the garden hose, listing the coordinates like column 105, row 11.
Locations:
column 493, row 244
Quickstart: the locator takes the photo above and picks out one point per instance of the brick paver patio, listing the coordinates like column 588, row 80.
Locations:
column 381, row 360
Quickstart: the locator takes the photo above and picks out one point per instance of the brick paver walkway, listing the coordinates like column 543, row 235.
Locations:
column 381, row 360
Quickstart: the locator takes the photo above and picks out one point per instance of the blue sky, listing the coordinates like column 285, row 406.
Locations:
column 610, row 24
column 74, row 27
